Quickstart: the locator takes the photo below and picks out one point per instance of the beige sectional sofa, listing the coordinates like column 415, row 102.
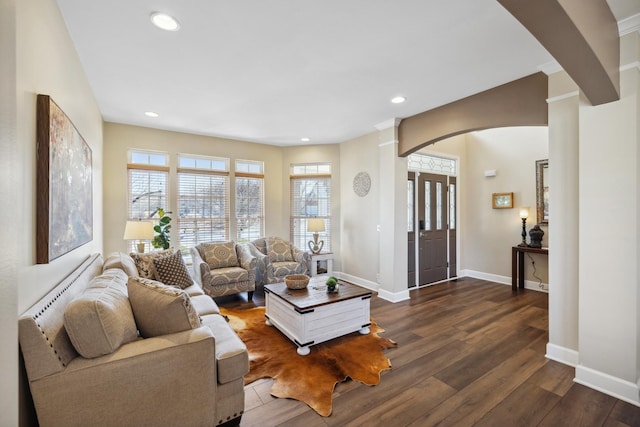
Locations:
column 106, row 347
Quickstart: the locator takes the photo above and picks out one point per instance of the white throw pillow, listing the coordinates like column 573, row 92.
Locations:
column 100, row 320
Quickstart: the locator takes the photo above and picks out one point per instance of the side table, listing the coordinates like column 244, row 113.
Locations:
column 323, row 256
column 517, row 264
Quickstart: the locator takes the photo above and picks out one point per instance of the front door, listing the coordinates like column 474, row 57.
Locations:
column 432, row 221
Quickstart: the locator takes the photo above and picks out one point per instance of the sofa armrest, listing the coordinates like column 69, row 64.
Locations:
column 248, row 261
column 301, row 257
column 262, row 264
column 197, row 264
column 166, row 380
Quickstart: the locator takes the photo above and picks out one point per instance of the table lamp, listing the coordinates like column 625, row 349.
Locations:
column 138, row 230
column 315, row 226
column 524, row 214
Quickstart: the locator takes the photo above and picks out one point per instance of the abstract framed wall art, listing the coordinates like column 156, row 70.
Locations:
column 64, row 200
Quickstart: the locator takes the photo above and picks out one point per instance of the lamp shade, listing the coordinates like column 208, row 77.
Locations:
column 315, row 225
column 138, row 230
column 524, row 212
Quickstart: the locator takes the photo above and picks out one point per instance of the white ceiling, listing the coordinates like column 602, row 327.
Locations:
column 276, row 71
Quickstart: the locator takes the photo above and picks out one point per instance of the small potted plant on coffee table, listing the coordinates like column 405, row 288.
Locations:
column 332, row 284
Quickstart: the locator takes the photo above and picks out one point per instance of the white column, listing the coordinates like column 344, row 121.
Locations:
column 563, row 219
column 609, row 342
column 393, row 206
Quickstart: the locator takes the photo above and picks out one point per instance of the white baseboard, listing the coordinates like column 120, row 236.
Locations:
column 505, row 280
column 608, row 384
column 563, row 355
column 357, row 281
column 382, row 293
column 393, row 296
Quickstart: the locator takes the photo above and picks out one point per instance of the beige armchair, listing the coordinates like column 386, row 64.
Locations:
column 224, row 268
column 277, row 258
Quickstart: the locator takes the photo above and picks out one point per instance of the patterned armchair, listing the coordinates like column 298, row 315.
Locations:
column 224, row 268
column 277, row 258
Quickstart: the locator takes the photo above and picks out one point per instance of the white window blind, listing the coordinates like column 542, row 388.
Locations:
column 310, row 198
column 203, row 201
column 249, row 200
column 148, row 175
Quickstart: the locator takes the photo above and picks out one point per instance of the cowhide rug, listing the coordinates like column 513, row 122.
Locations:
column 312, row 378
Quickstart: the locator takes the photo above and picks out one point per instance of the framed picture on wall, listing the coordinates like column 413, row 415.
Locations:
column 64, row 203
column 542, row 191
column 502, row 200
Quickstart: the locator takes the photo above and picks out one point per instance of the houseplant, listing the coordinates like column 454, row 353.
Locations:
column 162, row 238
column 332, row 284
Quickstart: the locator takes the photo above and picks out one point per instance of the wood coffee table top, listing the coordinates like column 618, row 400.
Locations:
column 315, row 294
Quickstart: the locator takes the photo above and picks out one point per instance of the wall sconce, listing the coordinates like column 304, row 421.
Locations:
column 524, row 214
column 315, row 226
column 138, row 230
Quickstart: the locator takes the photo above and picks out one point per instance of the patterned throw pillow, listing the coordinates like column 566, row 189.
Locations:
column 219, row 254
column 144, row 262
column 160, row 309
column 278, row 249
column 171, row 271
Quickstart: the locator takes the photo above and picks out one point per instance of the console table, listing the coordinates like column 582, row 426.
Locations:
column 517, row 264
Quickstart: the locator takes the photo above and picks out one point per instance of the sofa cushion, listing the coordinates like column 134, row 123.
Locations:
column 194, row 290
column 278, row 249
column 232, row 357
column 204, row 304
column 219, row 254
column 160, row 309
column 122, row 261
column 100, row 320
column 281, row 269
column 144, row 262
column 171, row 270
column 227, row 275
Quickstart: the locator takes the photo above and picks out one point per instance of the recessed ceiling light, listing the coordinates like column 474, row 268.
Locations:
column 305, row 139
column 164, row 21
column 398, row 99
column 151, row 114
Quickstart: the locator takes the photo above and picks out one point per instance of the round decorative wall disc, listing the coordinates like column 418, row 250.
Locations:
column 362, row 184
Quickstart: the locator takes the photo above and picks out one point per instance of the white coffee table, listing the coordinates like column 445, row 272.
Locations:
column 312, row 315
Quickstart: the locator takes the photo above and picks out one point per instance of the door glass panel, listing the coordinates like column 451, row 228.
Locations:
column 427, row 205
column 438, row 205
column 410, row 206
column 452, row 206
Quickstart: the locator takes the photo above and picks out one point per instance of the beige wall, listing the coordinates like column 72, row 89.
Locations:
column 46, row 63
column 120, row 138
column 485, row 234
column 9, row 190
column 359, row 215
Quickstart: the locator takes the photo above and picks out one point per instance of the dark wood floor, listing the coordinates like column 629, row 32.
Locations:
column 469, row 353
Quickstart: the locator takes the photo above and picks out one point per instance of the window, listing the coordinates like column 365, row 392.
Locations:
column 148, row 174
column 410, row 211
column 203, row 200
column 249, row 200
column 431, row 164
column 310, row 198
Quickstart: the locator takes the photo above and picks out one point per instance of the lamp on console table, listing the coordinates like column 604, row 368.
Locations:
column 315, row 226
column 138, row 230
column 524, row 214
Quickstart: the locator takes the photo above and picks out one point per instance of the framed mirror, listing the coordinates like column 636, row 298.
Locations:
column 542, row 191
